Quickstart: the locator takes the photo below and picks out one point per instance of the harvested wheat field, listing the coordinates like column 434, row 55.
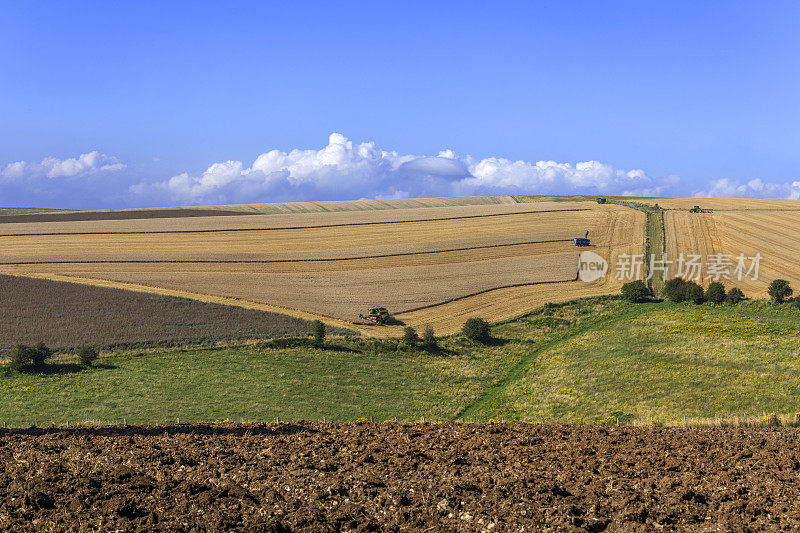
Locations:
column 434, row 265
column 399, row 477
column 725, row 204
column 775, row 235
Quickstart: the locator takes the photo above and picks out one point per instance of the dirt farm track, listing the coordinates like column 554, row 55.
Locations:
column 399, row 477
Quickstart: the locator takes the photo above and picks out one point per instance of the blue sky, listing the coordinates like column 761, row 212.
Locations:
column 122, row 104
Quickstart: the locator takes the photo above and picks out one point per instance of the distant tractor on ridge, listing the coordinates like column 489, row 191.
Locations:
column 696, row 209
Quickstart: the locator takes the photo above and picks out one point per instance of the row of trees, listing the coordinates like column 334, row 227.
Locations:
column 680, row 290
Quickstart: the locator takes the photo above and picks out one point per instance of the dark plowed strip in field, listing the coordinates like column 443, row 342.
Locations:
column 133, row 214
column 65, row 315
column 393, row 477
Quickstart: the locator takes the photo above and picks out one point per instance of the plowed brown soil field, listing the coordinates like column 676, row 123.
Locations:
column 399, row 477
column 428, row 265
column 775, row 235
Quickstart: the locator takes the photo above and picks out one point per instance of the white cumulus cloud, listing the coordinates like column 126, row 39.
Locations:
column 52, row 167
column 756, row 188
column 344, row 170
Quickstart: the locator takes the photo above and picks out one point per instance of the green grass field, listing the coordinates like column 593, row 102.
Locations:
column 584, row 361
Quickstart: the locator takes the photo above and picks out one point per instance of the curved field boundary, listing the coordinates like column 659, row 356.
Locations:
column 297, row 227
column 288, row 259
column 464, row 297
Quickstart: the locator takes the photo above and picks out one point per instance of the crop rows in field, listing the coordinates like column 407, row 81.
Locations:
column 482, row 244
column 338, row 264
column 344, row 294
column 775, row 235
column 277, row 222
column 366, row 205
column 724, row 204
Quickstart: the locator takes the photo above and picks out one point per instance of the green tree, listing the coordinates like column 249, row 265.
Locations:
column 410, row 337
column 87, row 356
column 675, row 290
column 319, row 331
column 779, row 290
column 428, row 338
column 476, row 329
column 694, row 293
column 635, row 291
column 735, row 295
column 715, row 292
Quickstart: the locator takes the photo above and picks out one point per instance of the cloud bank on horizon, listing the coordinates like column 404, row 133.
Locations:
column 343, row 170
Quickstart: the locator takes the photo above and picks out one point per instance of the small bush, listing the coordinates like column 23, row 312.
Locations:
column 779, row 290
column 715, row 292
column 318, row 330
column 675, row 290
column 41, row 353
column 429, row 339
column 30, row 356
column 735, row 295
column 635, row 291
column 476, row 329
column 694, row 293
column 87, row 356
column 21, row 357
column 410, row 337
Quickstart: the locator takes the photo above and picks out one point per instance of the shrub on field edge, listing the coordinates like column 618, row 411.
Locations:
column 410, row 337
column 30, row 356
column 635, row 291
column 476, row 329
column 779, row 290
column 715, row 293
column 429, row 339
column 87, row 356
column 735, row 295
column 318, row 330
column 675, row 290
column 694, row 293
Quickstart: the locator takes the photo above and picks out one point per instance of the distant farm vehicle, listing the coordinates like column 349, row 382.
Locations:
column 377, row 315
column 601, row 200
column 582, row 241
column 696, row 209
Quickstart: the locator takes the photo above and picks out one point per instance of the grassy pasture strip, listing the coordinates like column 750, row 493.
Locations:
column 654, row 246
column 518, row 370
column 668, row 362
column 217, row 226
column 207, row 385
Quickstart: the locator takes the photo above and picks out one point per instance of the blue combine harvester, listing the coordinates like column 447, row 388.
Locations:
column 582, row 241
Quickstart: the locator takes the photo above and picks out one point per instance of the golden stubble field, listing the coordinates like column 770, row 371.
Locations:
column 428, row 265
column 774, row 234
